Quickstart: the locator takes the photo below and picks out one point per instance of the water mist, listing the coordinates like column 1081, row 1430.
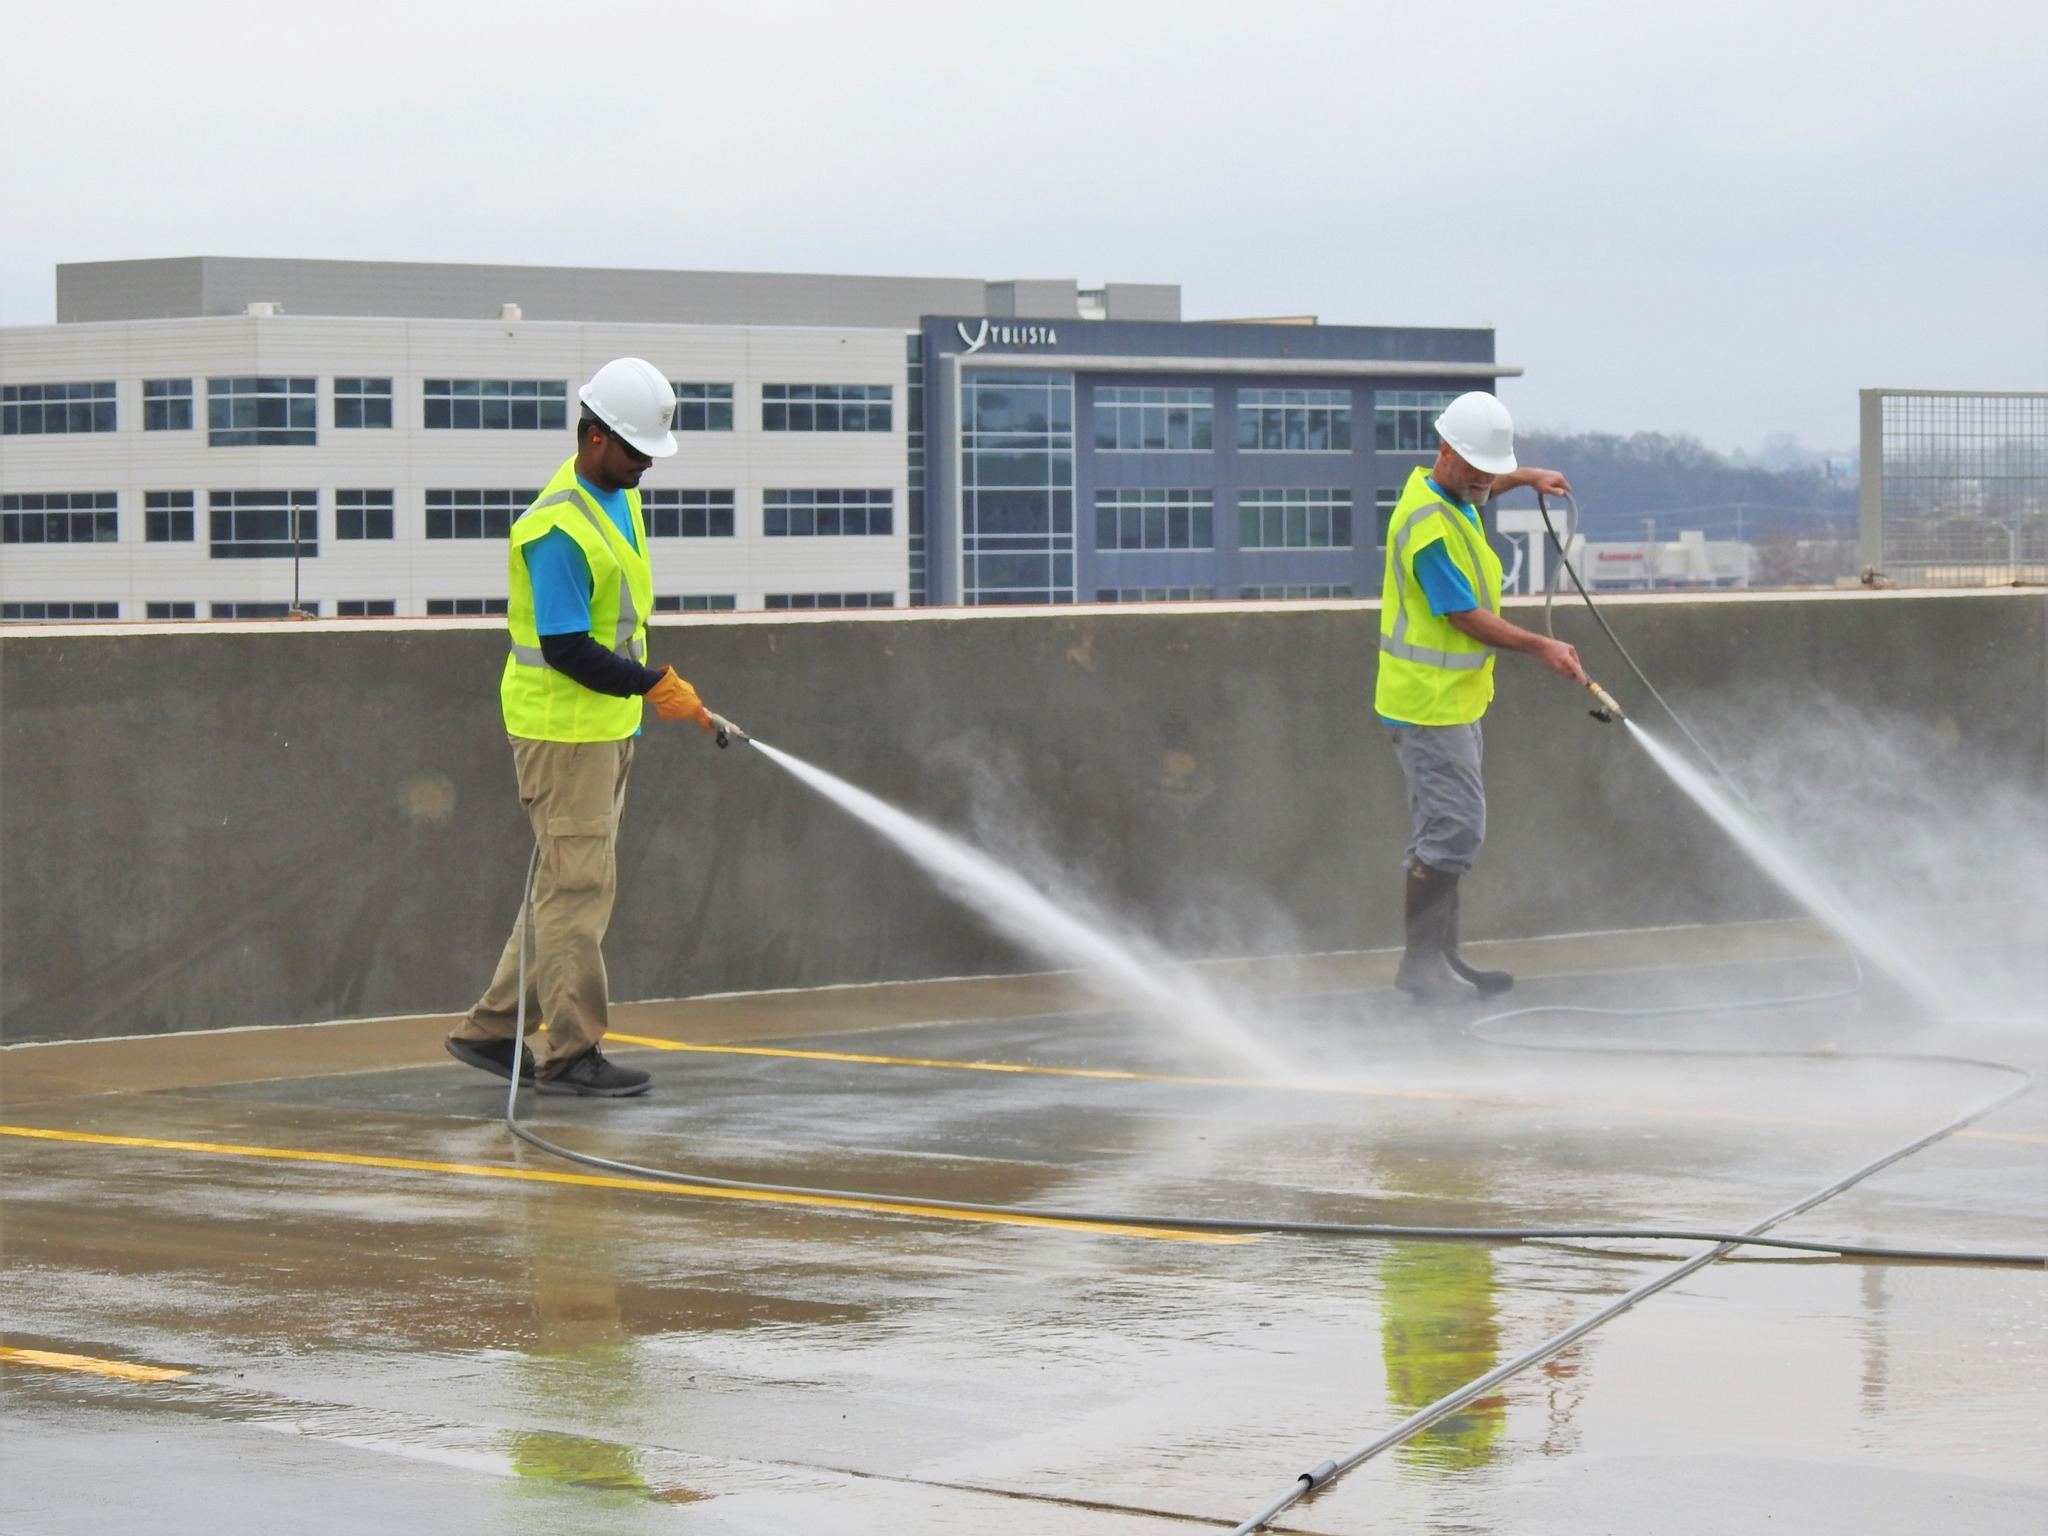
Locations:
column 1022, row 912
column 1800, row 883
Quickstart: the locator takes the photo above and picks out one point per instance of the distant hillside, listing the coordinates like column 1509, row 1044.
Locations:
column 1682, row 483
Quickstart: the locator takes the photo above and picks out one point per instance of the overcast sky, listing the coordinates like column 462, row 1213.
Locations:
column 1713, row 218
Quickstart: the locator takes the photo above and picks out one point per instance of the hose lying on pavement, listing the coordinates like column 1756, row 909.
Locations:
column 1325, row 1229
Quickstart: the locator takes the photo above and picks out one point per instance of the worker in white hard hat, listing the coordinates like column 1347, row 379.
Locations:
column 571, row 691
column 1440, row 626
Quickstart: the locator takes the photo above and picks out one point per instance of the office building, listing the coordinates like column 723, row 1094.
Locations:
column 211, row 437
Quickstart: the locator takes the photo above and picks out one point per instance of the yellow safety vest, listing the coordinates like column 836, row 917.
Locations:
column 539, row 702
column 1431, row 672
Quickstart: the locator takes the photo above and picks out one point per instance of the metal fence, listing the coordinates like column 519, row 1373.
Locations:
column 1955, row 487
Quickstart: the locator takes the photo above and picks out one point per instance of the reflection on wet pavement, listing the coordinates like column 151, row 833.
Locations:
column 371, row 1345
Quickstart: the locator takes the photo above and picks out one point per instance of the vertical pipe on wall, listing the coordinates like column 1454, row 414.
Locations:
column 1870, row 478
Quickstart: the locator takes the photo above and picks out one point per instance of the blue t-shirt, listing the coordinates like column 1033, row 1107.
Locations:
column 1443, row 584
column 560, row 574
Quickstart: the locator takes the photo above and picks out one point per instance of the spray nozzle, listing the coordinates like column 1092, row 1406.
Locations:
column 1609, row 711
column 725, row 733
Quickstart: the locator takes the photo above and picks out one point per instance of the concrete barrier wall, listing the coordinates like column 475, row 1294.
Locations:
column 220, row 825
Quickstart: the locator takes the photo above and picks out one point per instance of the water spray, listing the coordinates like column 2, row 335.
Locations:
column 1009, row 902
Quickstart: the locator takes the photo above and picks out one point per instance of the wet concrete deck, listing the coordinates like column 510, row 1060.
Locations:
column 385, row 1313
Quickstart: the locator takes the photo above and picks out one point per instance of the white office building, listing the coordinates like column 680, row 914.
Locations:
column 219, row 438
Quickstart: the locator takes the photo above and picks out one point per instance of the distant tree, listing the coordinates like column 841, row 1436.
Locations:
column 1682, row 483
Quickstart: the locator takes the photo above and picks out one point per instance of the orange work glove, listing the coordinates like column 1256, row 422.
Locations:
column 674, row 699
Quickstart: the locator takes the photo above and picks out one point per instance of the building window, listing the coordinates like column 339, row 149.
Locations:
column 60, row 517
column 825, row 514
column 260, row 412
column 1294, row 420
column 913, row 442
column 43, row 410
column 464, row 607
column 167, row 405
column 1136, row 518
column 263, row 525
column 1132, row 420
column 794, row 600
column 1404, row 420
column 1294, row 518
column 364, row 514
column 702, row 408
column 475, row 514
column 167, row 517
column 688, row 514
column 1016, row 487
column 366, row 608
column 1154, row 594
column 44, row 613
column 362, row 402
column 172, row 610
column 497, row 405
column 697, row 602
column 258, row 610
column 826, row 407
column 1291, row 594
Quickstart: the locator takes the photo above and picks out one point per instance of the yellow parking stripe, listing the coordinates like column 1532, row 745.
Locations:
column 1291, row 1086
column 599, row 1181
column 90, row 1365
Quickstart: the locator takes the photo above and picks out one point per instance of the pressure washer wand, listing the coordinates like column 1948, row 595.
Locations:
column 1608, row 711
column 726, row 733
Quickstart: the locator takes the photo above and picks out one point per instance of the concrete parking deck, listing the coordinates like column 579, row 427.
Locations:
column 301, row 1279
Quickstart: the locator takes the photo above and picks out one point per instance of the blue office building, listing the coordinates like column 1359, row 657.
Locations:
column 1128, row 461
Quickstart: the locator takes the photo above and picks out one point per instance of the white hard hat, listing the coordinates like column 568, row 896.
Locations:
column 1479, row 430
column 631, row 396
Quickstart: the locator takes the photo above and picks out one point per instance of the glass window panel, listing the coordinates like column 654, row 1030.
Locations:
column 490, row 405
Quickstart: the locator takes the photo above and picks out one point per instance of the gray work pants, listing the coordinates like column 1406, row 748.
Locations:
column 1446, row 797
column 573, row 792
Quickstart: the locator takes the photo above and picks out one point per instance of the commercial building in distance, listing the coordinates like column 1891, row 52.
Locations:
column 209, row 437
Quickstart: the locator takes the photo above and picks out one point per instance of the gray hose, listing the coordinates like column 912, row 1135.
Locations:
column 1374, row 1231
column 1561, row 547
column 1723, row 1243
column 1450, row 1403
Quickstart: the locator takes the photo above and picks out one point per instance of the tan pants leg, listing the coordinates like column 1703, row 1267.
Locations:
column 574, row 792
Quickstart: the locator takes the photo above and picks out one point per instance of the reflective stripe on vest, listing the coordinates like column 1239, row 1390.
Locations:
column 1397, row 642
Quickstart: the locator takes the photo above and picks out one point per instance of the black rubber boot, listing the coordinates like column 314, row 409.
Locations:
column 1489, row 983
column 492, row 1056
column 593, row 1077
column 1426, row 973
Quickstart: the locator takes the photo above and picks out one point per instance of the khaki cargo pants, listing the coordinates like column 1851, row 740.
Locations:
column 573, row 792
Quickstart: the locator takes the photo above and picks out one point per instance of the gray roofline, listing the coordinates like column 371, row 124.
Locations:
column 1083, row 362
column 187, row 286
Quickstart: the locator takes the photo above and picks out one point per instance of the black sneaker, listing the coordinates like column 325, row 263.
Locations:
column 593, row 1077
column 493, row 1056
